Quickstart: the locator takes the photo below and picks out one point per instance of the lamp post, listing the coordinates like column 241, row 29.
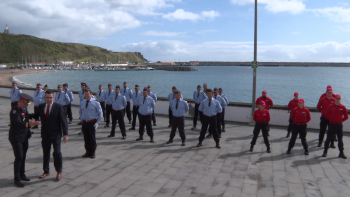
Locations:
column 255, row 65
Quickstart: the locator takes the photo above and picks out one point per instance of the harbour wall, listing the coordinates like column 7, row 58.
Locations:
column 234, row 112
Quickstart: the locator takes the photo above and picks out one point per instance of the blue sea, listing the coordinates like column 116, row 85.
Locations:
column 236, row 81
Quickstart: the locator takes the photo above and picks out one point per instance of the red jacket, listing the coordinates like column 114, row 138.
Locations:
column 300, row 115
column 337, row 113
column 267, row 100
column 261, row 116
column 325, row 95
column 323, row 105
column 293, row 104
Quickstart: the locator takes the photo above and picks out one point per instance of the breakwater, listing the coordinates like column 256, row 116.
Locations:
column 272, row 64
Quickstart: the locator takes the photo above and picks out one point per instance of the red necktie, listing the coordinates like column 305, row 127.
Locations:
column 47, row 111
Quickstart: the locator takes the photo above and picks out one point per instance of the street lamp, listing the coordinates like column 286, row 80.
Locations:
column 255, row 63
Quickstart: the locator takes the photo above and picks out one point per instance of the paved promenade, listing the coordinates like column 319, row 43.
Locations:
column 127, row 168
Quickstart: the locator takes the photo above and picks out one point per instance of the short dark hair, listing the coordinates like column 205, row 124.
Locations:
column 88, row 90
column 48, row 92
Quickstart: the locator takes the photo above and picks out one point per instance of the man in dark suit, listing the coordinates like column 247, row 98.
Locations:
column 19, row 134
column 53, row 122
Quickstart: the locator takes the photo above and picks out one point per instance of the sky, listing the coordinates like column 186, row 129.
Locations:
column 192, row 30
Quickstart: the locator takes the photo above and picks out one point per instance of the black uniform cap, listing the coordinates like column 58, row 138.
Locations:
column 209, row 90
column 145, row 89
column 65, row 84
column 199, row 86
column 220, row 89
column 125, row 82
column 46, row 85
column 177, row 92
column 174, row 87
column 137, row 86
column 99, row 85
column 38, row 84
column 59, row 86
column 109, row 84
column 148, row 86
column 82, row 83
column 25, row 97
column 215, row 89
column 117, row 86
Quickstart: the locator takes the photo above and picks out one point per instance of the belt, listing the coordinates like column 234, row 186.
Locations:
column 209, row 116
column 102, row 101
column 15, row 102
column 128, row 101
column 36, row 106
column 146, row 115
column 119, row 110
column 136, row 105
column 300, row 123
column 178, row 116
column 108, row 104
column 89, row 120
column 338, row 123
column 261, row 122
column 198, row 103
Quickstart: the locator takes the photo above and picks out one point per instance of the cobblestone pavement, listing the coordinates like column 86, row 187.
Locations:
column 128, row 168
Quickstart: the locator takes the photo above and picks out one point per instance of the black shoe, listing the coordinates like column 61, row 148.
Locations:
column 288, row 135
column 151, row 139
column 209, row 136
column 199, row 144
column 24, row 178
column 79, row 123
column 170, row 141
column 106, row 126
column 217, row 145
column 324, row 154
column 289, row 150
column 183, row 143
column 332, row 146
column 306, row 152
column 268, row 149
column 169, row 126
column 193, row 128
column 80, row 133
column 139, row 139
column 251, row 148
column 110, row 135
column 342, row 155
column 132, row 128
column 124, row 137
column 319, row 144
column 19, row 184
column 87, row 154
column 92, row 155
column 35, row 127
column 154, row 124
column 70, row 122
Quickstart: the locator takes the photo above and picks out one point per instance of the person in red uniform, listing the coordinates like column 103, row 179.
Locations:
column 322, row 106
column 262, row 118
column 268, row 104
column 300, row 117
column 291, row 105
column 333, row 95
column 336, row 114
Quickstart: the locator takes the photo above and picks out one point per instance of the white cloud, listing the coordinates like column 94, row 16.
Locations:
column 338, row 14
column 181, row 14
column 291, row 6
column 295, row 33
column 235, row 51
column 163, row 34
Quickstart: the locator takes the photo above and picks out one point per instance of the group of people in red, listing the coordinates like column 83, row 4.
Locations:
column 333, row 116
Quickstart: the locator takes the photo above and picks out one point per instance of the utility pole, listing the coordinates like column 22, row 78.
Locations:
column 255, row 59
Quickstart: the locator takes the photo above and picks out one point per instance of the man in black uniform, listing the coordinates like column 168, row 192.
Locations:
column 19, row 134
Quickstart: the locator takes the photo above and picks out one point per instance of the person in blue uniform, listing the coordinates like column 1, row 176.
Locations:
column 135, row 109
column 223, row 109
column 171, row 97
column 62, row 98
column 109, row 101
column 82, row 95
column 128, row 95
column 118, row 106
column 198, row 97
column 218, row 115
column 210, row 108
column 19, row 134
column 39, row 98
column 147, row 105
column 14, row 93
column 46, row 87
column 179, row 107
column 154, row 96
column 90, row 113
column 69, row 106
column 101, row 97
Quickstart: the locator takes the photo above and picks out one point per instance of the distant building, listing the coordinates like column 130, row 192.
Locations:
column 168, row 63
column 66, row 63
column 6, row 31
column 194, row 63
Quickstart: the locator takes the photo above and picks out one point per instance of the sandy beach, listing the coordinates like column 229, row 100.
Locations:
column 7, row 75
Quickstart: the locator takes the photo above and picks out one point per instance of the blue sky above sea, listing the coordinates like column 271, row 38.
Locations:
column 190, row 30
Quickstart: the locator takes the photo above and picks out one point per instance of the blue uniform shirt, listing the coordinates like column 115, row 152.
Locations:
column 15, row 94
column 91, row 111
column 154, row 96
column 182, row 107
column 221, row 101
column 119, row 102
column 109, row 97
column 101, row 96
column 171, row 97
column 127, row 93
column 225, row 98
column 214, row 108
column 135, row 98
column 81, row 95
column 147, row 105
column 39, row 97
column 62, row 98
column 198, row 98
column 70, row 95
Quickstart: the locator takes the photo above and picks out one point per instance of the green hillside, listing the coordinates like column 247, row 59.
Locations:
column 15, row 47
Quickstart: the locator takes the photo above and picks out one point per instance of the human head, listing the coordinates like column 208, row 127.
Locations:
column 14, row 84
column 149, row 89
column 199, row 88
column 38, row 86
column 82, row 85
column 301, row 103
column 264, row 93
column 220, row 91
column 177, row 95
column 59, row 88
column 24, row 100
column 337, row 99
column 173, row 89
column 215, row 91
column 209, row 93
column 262, row 105
column 88, row 94
column 46, row 87
column 296, row 95
column 117, row 89
column 65, row 86
column 110, row 87
column 100, row 88
column 329, row 93
column 125, row 85
column 137, row 88
column 145, row 92
column 205, row 85
column 49, row 97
